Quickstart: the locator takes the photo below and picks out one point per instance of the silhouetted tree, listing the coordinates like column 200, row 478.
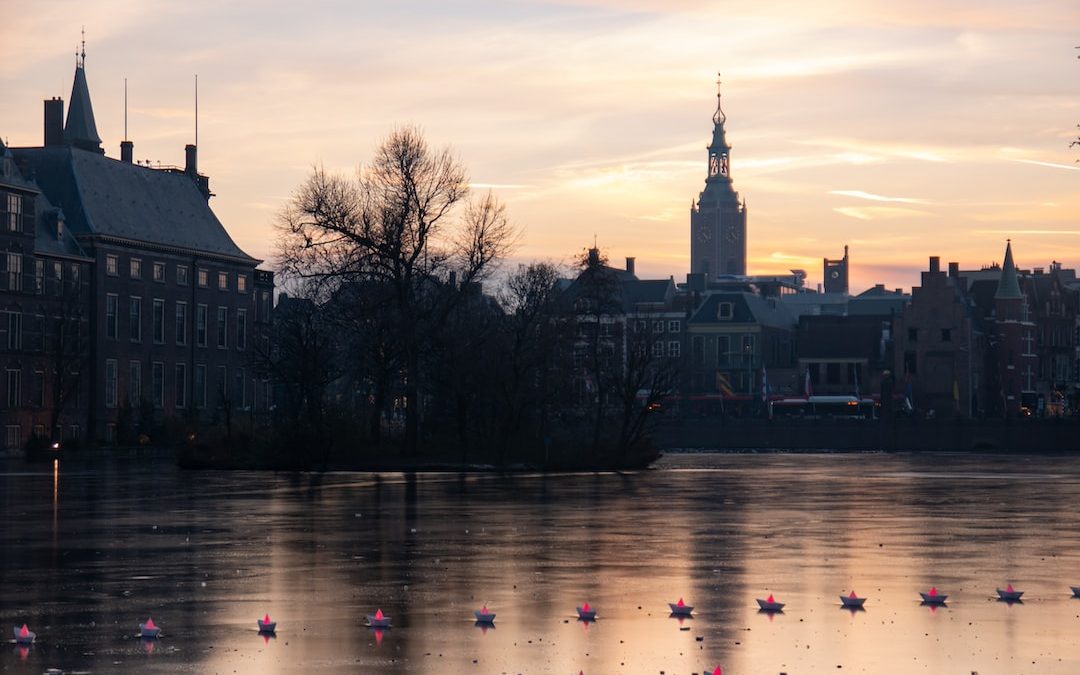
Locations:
column 394, row 225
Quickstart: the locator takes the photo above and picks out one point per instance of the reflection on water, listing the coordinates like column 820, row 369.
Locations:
column 91, row 551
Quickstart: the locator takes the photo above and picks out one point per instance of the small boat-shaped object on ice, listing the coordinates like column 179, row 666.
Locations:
column 586, row 613
column 852, row 601
column 1075, row 590
column 148, row 629
column 680, row 608
column 706, row 671
column 770, row 604
column 378, row 620
column 266, row 625
column 933, row 597
column 484, row 616
column 1009, row 594
column 24, row 636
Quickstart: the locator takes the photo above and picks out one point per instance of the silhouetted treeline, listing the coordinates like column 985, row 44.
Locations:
column 386, row 344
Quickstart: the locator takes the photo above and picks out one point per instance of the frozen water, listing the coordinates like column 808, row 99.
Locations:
column 92, row 550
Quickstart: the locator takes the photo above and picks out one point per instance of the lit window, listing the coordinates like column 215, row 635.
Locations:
column 223, row 281
column 159, row 272
column 241, row 283
column 204, row 278
column 136, row 268
column 111, row 265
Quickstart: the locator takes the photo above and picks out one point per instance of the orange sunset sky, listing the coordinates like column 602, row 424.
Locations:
column 929, row 127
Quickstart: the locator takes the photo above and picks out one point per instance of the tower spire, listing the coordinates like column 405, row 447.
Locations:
column 718, row 117
column 80, row 129
column 1009, row 285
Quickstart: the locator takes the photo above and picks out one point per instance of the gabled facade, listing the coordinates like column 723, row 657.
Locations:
column 732, row 336
column 941, row 348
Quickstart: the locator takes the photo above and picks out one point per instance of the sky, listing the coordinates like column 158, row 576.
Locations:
column 903, row 130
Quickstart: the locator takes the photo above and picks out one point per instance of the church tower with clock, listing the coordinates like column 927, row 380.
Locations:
column 718, row 218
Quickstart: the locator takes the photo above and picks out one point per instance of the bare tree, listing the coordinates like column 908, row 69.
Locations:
column 67, row 349
column 535, row 333
column 394, row 226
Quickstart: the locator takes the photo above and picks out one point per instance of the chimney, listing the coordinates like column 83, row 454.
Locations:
column 879, row 287
column 54, row 122
column 127, row 148
column 954, row 270
column 191, row 160
column 899, row 291
column 935, row 263
column 594, row 257
column 630, row 264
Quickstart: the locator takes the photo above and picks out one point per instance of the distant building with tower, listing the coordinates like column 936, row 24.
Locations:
column 170, row 309
column 718, row 217
column 836, row 274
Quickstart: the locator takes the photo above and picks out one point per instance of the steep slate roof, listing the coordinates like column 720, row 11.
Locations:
column 1009, row 285
column 105, row 197
column 646, row 291
column 80, row 126
column 745, row 308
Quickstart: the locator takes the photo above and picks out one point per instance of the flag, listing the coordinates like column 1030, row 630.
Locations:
column 764, row 384
column 809, row 387
column 723, row 384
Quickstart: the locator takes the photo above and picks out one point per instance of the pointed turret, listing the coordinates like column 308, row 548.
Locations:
column 1009, row 284
column 80, row 129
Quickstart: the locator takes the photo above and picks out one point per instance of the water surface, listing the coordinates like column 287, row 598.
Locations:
column 89, row 551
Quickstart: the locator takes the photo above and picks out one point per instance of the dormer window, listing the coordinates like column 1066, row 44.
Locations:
column 724, row 311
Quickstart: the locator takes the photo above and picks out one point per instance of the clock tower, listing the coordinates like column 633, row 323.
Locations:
column 718, row 218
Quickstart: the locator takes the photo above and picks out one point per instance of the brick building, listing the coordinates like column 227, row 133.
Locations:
column 175, row 307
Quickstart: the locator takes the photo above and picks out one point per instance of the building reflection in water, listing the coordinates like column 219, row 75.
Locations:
column 210, row 552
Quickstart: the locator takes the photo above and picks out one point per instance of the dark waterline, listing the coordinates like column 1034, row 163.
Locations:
column 91, row 551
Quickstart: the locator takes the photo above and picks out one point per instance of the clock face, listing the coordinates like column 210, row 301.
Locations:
column 732, row 234
column 834, row 274
column 705, row 235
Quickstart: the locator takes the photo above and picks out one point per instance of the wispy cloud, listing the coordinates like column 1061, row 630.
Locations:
column 859, row 194
column 1035, row 233
column 1055, row 165
column 878, row 212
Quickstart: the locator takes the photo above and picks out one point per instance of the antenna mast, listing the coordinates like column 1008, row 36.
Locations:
column 196, row 110
column 125, row 109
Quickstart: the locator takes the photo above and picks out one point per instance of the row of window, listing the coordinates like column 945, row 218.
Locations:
column 658, row 325
column 179, row 320
column 159, row 272
column 66, row 332
column 218, row 393
column 47, row 275
column 13, row 434
column 13, row 390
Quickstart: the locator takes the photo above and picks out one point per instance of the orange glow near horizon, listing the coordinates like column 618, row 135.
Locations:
column 903, row 132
